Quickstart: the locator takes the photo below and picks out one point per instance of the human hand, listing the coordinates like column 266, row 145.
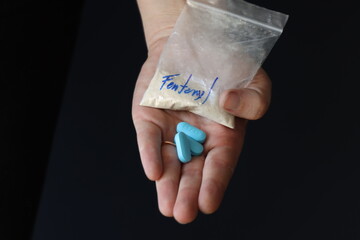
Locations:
column 184, row 189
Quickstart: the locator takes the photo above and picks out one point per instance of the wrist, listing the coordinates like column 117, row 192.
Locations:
column 159, row 18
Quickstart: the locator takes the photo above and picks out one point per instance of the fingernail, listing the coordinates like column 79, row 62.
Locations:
column 232, row 101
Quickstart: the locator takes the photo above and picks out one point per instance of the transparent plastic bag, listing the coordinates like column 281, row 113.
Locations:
column 216, row 45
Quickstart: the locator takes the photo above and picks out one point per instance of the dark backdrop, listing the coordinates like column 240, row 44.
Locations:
column 69, row 166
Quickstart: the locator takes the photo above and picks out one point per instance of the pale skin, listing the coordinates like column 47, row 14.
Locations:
column 185, row 189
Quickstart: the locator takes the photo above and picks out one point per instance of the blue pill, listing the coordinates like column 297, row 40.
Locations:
column 196, row 148
column 191, row 131
column 182, row 147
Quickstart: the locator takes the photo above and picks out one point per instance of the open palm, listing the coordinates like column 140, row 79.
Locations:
column 183, row 189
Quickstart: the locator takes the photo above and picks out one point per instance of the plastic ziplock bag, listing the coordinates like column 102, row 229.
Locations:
column 216, row 45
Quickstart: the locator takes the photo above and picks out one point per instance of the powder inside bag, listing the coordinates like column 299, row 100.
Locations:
column 178, row 91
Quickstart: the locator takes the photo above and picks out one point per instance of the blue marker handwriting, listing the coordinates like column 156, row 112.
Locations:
column 169, row 83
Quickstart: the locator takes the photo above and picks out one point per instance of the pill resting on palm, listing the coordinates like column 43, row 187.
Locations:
column 182, row 147
column 191, row 131
column 188, row 141
column 196, row 148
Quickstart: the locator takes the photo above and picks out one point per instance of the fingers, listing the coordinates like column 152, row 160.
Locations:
column 167, row 186
column 186, row 205
column 178, row 188
column 218, row 169
column 149, row 142
column 251, row 102
column 183, row 189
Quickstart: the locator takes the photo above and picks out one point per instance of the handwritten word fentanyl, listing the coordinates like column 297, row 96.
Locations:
column 169, row 83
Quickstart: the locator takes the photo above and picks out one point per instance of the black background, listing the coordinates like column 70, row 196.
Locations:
column 67, row 76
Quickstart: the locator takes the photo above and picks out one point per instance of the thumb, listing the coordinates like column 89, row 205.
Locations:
column 251, row 102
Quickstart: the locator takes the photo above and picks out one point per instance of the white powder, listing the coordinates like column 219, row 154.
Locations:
column 183, row 92
column 215, row 45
